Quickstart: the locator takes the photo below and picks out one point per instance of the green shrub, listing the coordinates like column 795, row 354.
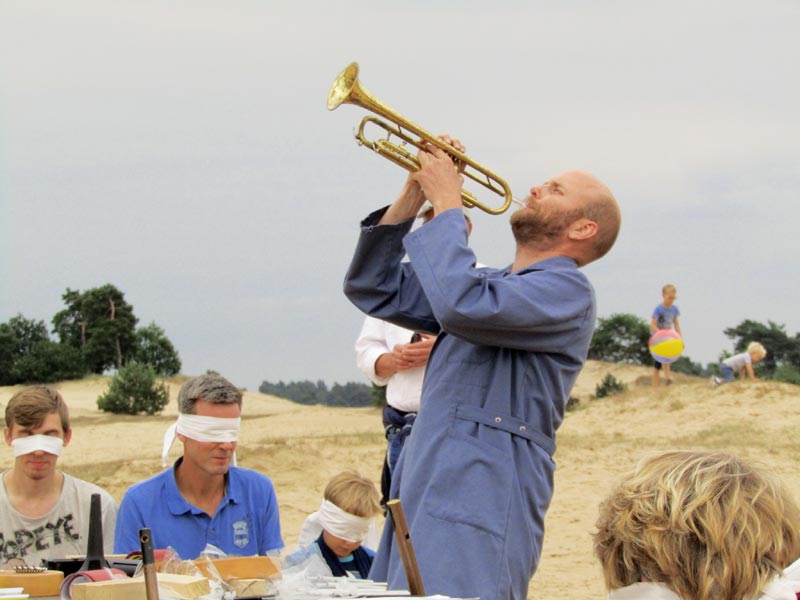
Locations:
column 685, row 365
column 622, row 337
column 47, row 361
column 378, row 395
column 134, row 390
column 609, row 386
column 787, row 374
column 572, row 404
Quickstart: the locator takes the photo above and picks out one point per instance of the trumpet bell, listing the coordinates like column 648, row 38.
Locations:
column 343, row 86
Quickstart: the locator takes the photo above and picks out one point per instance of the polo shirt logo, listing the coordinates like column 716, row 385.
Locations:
column 240, row 534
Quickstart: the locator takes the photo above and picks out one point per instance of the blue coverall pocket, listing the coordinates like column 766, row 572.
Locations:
column 472, row 480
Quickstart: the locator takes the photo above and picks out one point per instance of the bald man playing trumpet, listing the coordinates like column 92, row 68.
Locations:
column 476, row 475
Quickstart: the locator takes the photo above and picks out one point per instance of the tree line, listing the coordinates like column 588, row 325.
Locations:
column 623, row 337
column 96, row 331
column 308, row 392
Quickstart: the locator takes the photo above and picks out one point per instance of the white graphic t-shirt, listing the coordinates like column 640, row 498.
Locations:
column 61, row 532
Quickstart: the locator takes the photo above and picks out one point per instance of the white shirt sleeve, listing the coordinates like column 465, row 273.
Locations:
column 370, row 345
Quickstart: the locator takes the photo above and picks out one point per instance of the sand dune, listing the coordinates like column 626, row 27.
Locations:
column 300, row 447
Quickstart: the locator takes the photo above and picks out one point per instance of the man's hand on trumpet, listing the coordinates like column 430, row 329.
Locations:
column 437, row 176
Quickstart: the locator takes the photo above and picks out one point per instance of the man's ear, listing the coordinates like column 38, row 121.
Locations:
column 582, row 229
column 67, row 436
column 7, row 435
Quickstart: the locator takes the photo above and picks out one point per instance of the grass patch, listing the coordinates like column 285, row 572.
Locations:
column 102, row 418
column 730, row 437
column 345, row 441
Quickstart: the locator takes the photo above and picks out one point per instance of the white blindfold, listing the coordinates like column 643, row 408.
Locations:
column 31, row 443
column 201, row 429
column 342, row 524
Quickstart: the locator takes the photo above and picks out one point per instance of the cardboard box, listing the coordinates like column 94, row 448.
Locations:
column 46, row 583
column 238, row 567
column 187, row 586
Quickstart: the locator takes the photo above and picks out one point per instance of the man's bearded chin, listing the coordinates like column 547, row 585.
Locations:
column 534, row 226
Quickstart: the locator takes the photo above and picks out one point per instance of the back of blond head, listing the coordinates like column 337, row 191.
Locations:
column 354, row 494
column 706, row 524
column 757, row 350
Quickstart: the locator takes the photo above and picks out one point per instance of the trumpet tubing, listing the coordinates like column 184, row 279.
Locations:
column 346, row 89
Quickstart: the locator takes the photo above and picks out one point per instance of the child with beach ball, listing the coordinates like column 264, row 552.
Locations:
column 666, row 343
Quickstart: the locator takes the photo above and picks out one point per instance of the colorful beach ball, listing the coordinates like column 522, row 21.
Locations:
column 665, row 345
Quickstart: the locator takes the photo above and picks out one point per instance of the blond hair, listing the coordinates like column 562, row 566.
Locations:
column 756, row 350
column 30, row 406
column 354, row 494
column 706, row 524
column 668, row 288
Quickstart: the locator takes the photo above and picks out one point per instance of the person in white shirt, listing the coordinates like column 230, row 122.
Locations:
column 740, row 364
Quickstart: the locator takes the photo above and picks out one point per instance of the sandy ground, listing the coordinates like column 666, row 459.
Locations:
column 300, row 447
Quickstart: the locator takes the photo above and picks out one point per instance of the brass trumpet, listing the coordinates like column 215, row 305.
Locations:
column 347, row 90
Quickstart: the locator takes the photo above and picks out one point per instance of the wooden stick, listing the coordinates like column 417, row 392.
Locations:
column 403, row 539
column 149, row 564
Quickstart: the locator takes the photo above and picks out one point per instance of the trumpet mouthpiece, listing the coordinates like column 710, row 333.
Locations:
column 519, row 203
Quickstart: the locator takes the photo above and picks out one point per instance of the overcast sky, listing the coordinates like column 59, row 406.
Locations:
column 182, row 151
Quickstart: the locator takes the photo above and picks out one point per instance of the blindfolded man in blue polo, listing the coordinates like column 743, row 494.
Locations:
column 203, row 499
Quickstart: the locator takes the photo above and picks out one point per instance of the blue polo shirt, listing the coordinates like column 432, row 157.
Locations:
column 246, row 522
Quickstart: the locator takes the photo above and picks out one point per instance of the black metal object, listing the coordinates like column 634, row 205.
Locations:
column 95, row 557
